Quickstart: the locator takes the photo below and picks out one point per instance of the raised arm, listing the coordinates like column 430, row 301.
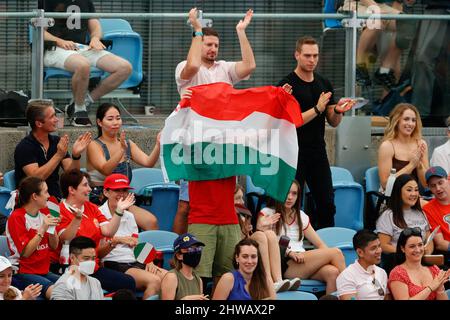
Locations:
column 141, row 158
column 245, row 67
column 78, row 148
column 194, row 58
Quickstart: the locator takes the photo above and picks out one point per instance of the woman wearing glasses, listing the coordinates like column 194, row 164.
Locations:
column 119, row 255
column 410, row 280
column 183, row 283
column 403, row 211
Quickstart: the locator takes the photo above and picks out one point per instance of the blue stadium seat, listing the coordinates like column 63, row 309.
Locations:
column 5, row 194
column 255, row 196
column 142, row 177
column 374, row 198
column 162, row 241
column 329, row 7
column 9, row 180
column 448, row 293
column 4, row 249
column 341, row 174
column 313, row 286
column 341, row 238
column 164, row 203
column 127, row 44
column 295, row 295
column 153, row 297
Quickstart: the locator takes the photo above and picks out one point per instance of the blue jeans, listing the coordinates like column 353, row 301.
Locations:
column 47, row 280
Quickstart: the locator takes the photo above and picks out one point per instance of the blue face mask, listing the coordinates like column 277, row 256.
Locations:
column 192, row 257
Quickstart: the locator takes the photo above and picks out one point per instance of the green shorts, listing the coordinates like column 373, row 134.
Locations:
column 217, row 255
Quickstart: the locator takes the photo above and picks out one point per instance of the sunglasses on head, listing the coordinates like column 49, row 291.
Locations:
column 412, row 231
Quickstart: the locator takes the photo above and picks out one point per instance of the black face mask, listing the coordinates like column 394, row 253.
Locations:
column 192, row 259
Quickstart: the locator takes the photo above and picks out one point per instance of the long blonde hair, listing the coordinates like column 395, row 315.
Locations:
column 391, row 130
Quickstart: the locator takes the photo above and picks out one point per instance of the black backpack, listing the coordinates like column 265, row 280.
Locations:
column 12, row 108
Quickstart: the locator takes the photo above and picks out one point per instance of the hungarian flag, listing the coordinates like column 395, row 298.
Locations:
column 53, row 207
column 222, row 132
column 144, row 253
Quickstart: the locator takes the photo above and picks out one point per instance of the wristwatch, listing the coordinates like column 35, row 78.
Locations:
column 197, row 33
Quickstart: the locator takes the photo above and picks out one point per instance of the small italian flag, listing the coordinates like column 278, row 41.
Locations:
column 144, row 253
column 222, row 132
column 53, row 207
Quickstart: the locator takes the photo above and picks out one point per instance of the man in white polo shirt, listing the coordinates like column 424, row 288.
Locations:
column 364, row 280
column 212, row 217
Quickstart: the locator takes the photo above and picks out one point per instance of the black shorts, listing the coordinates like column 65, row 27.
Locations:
column 123, row 266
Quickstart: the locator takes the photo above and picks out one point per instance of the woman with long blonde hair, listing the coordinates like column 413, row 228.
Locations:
column 403, row 147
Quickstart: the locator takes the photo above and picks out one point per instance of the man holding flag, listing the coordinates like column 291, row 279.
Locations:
column 212, row 216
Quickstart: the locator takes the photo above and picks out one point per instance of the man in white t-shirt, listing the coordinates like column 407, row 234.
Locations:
column 364, row 280
column 212, row 217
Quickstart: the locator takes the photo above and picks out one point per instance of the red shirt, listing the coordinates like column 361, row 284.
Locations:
column 436, row 214
column 20, row 229
column 212, row 202
column 90, row 224
column 400, row 274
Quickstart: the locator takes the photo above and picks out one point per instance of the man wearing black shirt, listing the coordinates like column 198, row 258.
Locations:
column 315, row 96
column 41, row 154
column 75, row 53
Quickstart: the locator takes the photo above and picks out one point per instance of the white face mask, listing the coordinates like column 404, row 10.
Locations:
column 86, row 267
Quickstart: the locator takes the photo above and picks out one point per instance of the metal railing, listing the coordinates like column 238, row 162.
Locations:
column 351, row 21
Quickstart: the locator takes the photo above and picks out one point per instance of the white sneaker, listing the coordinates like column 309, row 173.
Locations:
column 282, row 285
column 294, row 284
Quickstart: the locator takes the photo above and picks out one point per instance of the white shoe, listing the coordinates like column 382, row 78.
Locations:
column 294, row 284
column 282, row 285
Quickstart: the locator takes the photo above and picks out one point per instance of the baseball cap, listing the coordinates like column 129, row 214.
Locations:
column 117, row 181
column 4, row 263
column 185, row 240
column 436, row 171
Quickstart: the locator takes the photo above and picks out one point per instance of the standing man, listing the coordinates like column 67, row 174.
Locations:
column 364, row 280
column 314, row 93
column 212, row 217
column 76, row 54
column 438, row 209
column 41, row 154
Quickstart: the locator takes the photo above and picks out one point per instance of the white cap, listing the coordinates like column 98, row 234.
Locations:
column 4, row 263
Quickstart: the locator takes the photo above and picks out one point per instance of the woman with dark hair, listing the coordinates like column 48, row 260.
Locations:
column 268, row 245
column 287, row 219
column 248, row 281
column 182, row 282
column 80, row 217
column 29, row 237
column 403, row 147
column 111, row 153
column 403, row 211
column 410, row 280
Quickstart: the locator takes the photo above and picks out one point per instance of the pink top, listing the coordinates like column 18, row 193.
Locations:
column 400, row 274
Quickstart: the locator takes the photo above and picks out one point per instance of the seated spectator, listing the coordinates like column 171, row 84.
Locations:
column 29, row 238
column 287, row 219
column 9, row 292
column 364, row 280
column 441, row 154
column 183, row 283
column 389, row 71
column 248, row 281
column 109, row 154
column 76, row 54
column 124, row 294
column 410, row 280
column 268, row 246
column 79, row 217
column 403, row 147
column 46, row 153
column 121, row 255
column 404, row 211
column 77, row 283
column 438, row 209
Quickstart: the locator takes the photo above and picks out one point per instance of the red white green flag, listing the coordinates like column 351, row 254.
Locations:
column 222, row 132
